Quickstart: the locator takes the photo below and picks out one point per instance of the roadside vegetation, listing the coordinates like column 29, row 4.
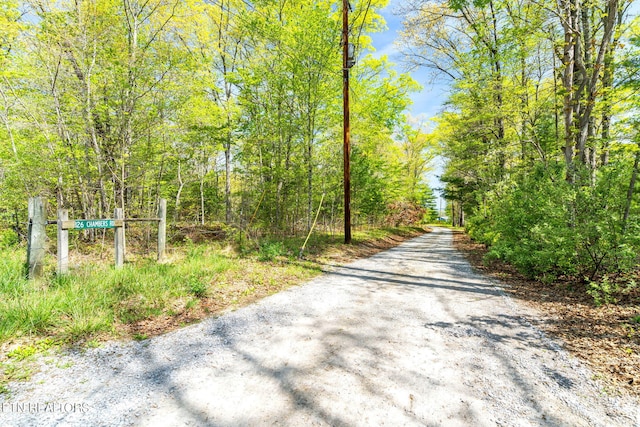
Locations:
column 541, row 132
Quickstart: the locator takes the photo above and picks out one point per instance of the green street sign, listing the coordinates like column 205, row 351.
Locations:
column 94, row 223
column 83, row 224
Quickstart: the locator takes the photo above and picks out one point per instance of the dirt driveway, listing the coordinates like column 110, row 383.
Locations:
column 411, row 336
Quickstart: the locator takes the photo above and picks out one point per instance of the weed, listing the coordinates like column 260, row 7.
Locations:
column 16, row 371
column 270, row 250
column 62, row 281
column 603, row 292
column 21, row 353
column 631, row 331
column 140, row 337
column 250, row 290
column 8, row 238
column 635, row 319
column 197, row 288
column 84, row 325
column 194, row 251
column 46, row 344
column 192, row 303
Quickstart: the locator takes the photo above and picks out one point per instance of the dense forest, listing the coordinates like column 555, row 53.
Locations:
column 541, row 129
column 230, row 109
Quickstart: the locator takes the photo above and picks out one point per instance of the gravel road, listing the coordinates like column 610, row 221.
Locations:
column 410, row 336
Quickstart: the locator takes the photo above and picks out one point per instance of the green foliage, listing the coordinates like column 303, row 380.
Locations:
column 271, row 250
column 26, row 351
column 603, row 291
column 231, row 110
column 21, row 353
column 547, row 228
column 197, row 287
column 526, row 225
column 8, row 238
column 550, row 199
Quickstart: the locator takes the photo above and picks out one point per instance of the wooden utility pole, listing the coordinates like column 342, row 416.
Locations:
column 346, row 63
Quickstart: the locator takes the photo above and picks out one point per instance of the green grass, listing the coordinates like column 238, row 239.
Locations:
column 93, row 298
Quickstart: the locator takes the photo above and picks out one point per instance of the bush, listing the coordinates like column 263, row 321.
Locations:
column 197, row 287
column 404, row 213
column 270, row 250
column 547, row 227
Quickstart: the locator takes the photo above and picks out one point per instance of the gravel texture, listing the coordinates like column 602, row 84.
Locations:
column 411, row 336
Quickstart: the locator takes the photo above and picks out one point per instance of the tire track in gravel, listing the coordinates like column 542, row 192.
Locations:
column 410, row 336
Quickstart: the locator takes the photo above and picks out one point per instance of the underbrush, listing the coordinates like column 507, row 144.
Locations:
column 549, row 229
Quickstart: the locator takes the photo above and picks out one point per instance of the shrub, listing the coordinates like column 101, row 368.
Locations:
column 270, row 250
column 197, row 287
column 547, row 227
column 404, row 213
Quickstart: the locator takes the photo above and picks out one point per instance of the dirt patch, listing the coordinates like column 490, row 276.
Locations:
column 606, row 337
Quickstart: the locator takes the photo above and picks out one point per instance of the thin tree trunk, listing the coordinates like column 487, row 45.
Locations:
column 227, row 182
column 607, row 86
column 569, row 23
column 202, row 221
column 176, row 214
column 632, row 185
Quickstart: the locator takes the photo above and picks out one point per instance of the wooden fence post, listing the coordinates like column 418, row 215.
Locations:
column 63, row 243
column 119, row 238
column 162, row 229
column 36, row 237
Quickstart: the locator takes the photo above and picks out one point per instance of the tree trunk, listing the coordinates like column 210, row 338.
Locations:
column 176, row 214
column 227, row 179
column 202, row 200
column 632, row 185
